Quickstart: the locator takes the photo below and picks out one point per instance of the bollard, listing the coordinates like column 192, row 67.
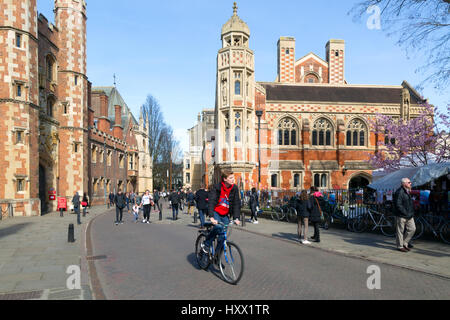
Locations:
column 160, row 215
column 71, row 236
column 195, row 216
column 243, row 218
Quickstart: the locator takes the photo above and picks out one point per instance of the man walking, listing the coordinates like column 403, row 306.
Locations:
column 175, row 199
column 404, row 210
column 76, row 205
column 120, row 202
column 201, row 199
column 156, row 200
column 190, row 199
column 111, row 198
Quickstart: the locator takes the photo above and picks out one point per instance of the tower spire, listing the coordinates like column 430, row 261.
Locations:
column 235, row 9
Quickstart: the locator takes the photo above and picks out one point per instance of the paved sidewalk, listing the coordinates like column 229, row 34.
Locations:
column 432, row 257
column 35, row 254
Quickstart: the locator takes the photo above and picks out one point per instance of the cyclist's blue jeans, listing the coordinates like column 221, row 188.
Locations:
column 217, row 230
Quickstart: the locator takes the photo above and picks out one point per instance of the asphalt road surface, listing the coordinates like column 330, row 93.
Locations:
column 157, row 261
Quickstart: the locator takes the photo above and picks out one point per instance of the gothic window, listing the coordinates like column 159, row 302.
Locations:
column 237, row 127
column 356, row 133
column 321, row 180
column 50, row 67
column 321, row 134
column 50, row 106
column 18, row 40
column 19, row 90
column 287, row 132
column 237, row 83
column 296, row 180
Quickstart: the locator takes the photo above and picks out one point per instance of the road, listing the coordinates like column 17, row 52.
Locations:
column 157, row 262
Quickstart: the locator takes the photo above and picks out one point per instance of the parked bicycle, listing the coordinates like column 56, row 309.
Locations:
column 378, row 219
column 438, row 225
column 228, row 257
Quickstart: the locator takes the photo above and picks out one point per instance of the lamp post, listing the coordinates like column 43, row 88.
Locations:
column 259, row 113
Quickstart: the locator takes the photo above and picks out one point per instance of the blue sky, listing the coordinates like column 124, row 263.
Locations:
column 168, row 49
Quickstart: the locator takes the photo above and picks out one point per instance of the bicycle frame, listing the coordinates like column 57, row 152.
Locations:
column 379, row 223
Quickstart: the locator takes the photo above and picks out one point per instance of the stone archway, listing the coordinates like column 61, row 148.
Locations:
column 358, row 182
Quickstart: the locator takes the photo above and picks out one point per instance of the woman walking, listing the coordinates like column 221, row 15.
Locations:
column 315, row 212
column 254, row 205
column 146, row 203
column 302, row 217
column 85, row 203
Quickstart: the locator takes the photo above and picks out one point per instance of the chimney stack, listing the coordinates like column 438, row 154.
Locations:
column 117, row 128
column 104, row 123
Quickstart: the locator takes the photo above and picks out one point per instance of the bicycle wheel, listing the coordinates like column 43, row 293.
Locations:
column 419, row 229
column 231, row 263
column 202, row 258
column 444, row 232
column 360, row 223
column 292, row 215
column 276, row 213
column 388, row 226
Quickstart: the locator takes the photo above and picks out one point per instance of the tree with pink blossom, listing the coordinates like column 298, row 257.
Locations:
column 412, row 143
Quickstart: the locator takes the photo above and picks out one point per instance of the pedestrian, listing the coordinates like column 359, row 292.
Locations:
column 254, row 206
column 76, row 205
column 128, row 201
column 201, row 199
column 315, row 212
column 224, row 201
column 133, row 198
column 156, row 199
column 404, row 211
column 190, row 198
column 302, row 217
column 136, row 212
column 146, row 203
column 85, row 203
column 111, row 198
column 120, row 202
column 175, row 199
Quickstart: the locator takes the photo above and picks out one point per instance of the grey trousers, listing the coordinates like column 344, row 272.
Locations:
column 405, row 231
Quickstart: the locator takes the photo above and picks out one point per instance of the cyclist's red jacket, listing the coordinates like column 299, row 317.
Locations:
column 224, row 201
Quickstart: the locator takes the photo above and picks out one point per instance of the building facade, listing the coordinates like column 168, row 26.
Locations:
column 308, row 127
column 45, row 131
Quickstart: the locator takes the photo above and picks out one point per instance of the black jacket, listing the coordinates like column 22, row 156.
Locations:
column 201, row 197
column 120, row 200
column 156, row 196
column 302, row 208
column 190, row 198
column 313, row 208
column 175, row 198
column 235, row 201
column 403, row 204
column 253, row 202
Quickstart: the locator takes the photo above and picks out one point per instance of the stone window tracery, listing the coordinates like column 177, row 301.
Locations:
column 321, row 134
column 356, row 133
column 287, row 132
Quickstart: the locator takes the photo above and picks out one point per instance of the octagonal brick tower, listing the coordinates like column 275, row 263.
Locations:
column 235, row 116
column 70, row 19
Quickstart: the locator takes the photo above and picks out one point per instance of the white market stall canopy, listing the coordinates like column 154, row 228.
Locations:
column 418, row 176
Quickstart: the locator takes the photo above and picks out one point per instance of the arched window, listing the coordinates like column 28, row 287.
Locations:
column 50, row 64
column 356, row 133
column 50, row 106
column 237, row 127
column 237, row 88
column 322, row 133
column 321, row 180
column 287, row 132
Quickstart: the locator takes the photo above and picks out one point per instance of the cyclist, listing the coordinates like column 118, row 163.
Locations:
column 223, row 202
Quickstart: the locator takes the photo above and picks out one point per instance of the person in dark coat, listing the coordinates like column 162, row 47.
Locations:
column 254, row 205
column 301, row 205
column 76, row 205
column 156, row 198
column 120, row 202
column 85, row 203
column 404, row 210
column 190, row 199
column 314, row 209
column 201, row 200
column 175, row 200
column 111, row 198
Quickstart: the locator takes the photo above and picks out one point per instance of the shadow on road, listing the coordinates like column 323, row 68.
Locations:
column 4, row 232
column 211, row 269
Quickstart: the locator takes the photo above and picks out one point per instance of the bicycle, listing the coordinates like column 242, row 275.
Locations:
column 228, row 257
column 385, row 223
column 427, row 221
column 341, row 213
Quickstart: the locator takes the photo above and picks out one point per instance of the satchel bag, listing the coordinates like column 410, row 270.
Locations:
column 322, row 218
column 84, row 203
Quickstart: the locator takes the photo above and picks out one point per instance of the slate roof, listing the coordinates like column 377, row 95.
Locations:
column 354, row 94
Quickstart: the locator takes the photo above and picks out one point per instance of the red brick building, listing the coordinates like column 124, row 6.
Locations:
column 45, row 132
column 314, row 126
